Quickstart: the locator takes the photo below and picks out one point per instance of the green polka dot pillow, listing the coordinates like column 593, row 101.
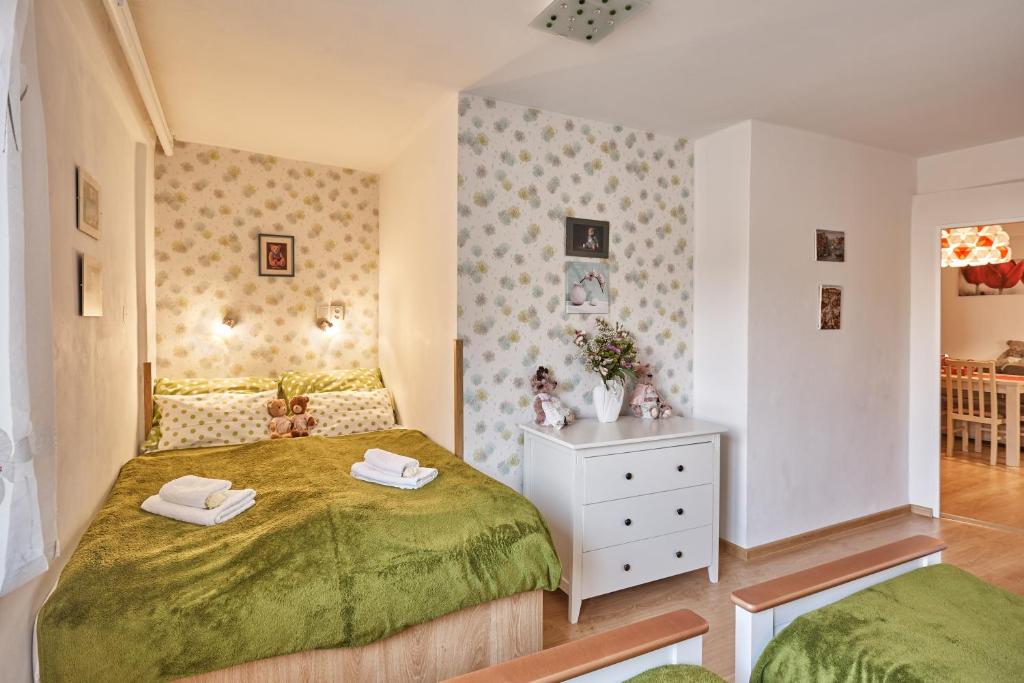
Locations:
column 216, row 419
column 305, row 383
column 351, row 412
column 190, row 387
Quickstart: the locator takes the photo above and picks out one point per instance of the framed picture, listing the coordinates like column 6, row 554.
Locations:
column 90, row 286
column 831, row 304
column 87, row 203
column 277, row 255
column 830, row 245
column 586, row 287
column 584, row 237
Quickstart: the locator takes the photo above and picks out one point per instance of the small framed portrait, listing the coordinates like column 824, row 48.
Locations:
column 831, row 305
column 90, row 286
column 830, row 245
column 587, row 238
column 87, row 203
column 277, row 255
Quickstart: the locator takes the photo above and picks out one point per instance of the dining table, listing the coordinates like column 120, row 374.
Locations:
column 1009, row 388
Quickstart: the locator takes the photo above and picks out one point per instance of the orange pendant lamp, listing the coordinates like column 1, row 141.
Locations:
column 976, row 246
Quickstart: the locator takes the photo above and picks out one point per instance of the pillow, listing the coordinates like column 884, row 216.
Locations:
column 349, row 412
column 184, row 387
column 214, row 419
column 357, row 379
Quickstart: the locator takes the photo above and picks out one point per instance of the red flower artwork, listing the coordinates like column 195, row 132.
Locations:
column 998, row 276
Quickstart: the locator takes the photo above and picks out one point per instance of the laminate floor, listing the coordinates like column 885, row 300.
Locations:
column 974, row 489
column 992, row 554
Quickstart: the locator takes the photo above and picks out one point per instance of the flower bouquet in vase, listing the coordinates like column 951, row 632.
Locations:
column 611, row 353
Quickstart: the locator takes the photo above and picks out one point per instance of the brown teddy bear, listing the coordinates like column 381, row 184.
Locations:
column 302, row 421
column 280, row 424
column 549, row 410
column 1012, row 359
column 646, row 401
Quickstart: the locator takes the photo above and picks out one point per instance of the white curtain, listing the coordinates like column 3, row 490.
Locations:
column 21, row 540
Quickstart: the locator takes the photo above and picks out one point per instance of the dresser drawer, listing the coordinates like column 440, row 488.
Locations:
column 621, row 475
column 631, row 519
column 622, row 566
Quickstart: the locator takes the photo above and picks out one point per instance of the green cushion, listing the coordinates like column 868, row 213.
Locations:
column 184, row 387
column 677, row 673
column 356, row 379
column 938, row 623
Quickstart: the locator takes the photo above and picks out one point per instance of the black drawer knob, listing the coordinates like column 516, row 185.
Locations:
column 629, row 475
column 679, row 511
column 680, row 468
column 679, row 553
column 628, row 521
column 625, row 567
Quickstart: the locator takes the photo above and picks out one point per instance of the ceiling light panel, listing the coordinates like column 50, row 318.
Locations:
column 587, row 21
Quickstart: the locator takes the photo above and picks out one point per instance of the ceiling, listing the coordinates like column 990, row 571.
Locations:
column 346, row 81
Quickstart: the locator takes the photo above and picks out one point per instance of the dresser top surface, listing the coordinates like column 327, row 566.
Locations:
column 589, row 433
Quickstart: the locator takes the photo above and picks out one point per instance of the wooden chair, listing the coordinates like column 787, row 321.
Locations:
column 971, row 398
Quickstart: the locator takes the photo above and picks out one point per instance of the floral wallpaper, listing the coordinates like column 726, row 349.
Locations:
column 521, row 172
column 211, row 203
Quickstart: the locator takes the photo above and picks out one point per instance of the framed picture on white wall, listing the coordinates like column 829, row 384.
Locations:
column 87, row 203
column 831, row 307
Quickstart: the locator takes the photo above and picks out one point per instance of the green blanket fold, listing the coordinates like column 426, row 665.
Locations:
column 933, row 624
column 677, row 673
column 320, row 561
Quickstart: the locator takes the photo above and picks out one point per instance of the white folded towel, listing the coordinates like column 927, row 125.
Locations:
column 366, row 472
column 194, row 492
column 392, row 463
column 238, row 501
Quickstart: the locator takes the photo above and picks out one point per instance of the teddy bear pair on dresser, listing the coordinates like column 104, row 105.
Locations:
column 285, row 426
column 645, row 403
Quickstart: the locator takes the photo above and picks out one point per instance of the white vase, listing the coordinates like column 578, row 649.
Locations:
column 577, row 295
column 608, row 401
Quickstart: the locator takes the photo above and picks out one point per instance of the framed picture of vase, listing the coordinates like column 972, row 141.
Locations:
column 586, row 287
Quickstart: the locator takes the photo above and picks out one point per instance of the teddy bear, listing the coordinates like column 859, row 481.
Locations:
column 549, row 410
column 302, row 421
column 280, row 424
column 1012, row 356
column 646, row 402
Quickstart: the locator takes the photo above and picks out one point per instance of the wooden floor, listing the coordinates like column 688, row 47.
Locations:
column 994, row 555
column 972, row 488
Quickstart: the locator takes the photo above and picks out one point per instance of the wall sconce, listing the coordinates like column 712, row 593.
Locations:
column 226, row 326
column 329, row 317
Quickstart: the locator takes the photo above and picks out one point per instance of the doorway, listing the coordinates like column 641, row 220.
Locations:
column 982, row 345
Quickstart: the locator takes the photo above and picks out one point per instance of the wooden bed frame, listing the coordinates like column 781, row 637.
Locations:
column 457, row 643
column 765, row 609
column 673, row 638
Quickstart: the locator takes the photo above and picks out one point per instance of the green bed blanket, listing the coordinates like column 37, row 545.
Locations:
column 322, row 560
column 677, row 673
column 938, row 623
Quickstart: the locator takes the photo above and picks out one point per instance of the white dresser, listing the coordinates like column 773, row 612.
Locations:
column 627, row 502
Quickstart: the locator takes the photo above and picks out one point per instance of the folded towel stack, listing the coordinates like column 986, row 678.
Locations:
column 198, row 500
column 390, row 469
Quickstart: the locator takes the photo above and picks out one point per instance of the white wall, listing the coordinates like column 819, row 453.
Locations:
column 91, row 118
column 721, row 304
column 827, row 409
column 976, row 185
column 418, row 271
column 979, row 326
column 998, row 162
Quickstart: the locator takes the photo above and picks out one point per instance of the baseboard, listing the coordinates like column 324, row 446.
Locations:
column 922, row 510
column 819, row 534
column 982, row 523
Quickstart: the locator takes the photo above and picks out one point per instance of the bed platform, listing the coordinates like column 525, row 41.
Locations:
column 467, row 640
column 615, row 655
column 765, row 609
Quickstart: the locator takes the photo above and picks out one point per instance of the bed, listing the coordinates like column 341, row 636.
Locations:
column 325, row 578
column 662, row 649
column 894, row 613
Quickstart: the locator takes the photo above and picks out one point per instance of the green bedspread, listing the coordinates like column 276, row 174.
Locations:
column 933, row 624
column 320, row 561
column 677, row 673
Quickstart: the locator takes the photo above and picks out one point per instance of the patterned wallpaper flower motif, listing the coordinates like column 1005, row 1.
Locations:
column 521, row 172
column 211, row 203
